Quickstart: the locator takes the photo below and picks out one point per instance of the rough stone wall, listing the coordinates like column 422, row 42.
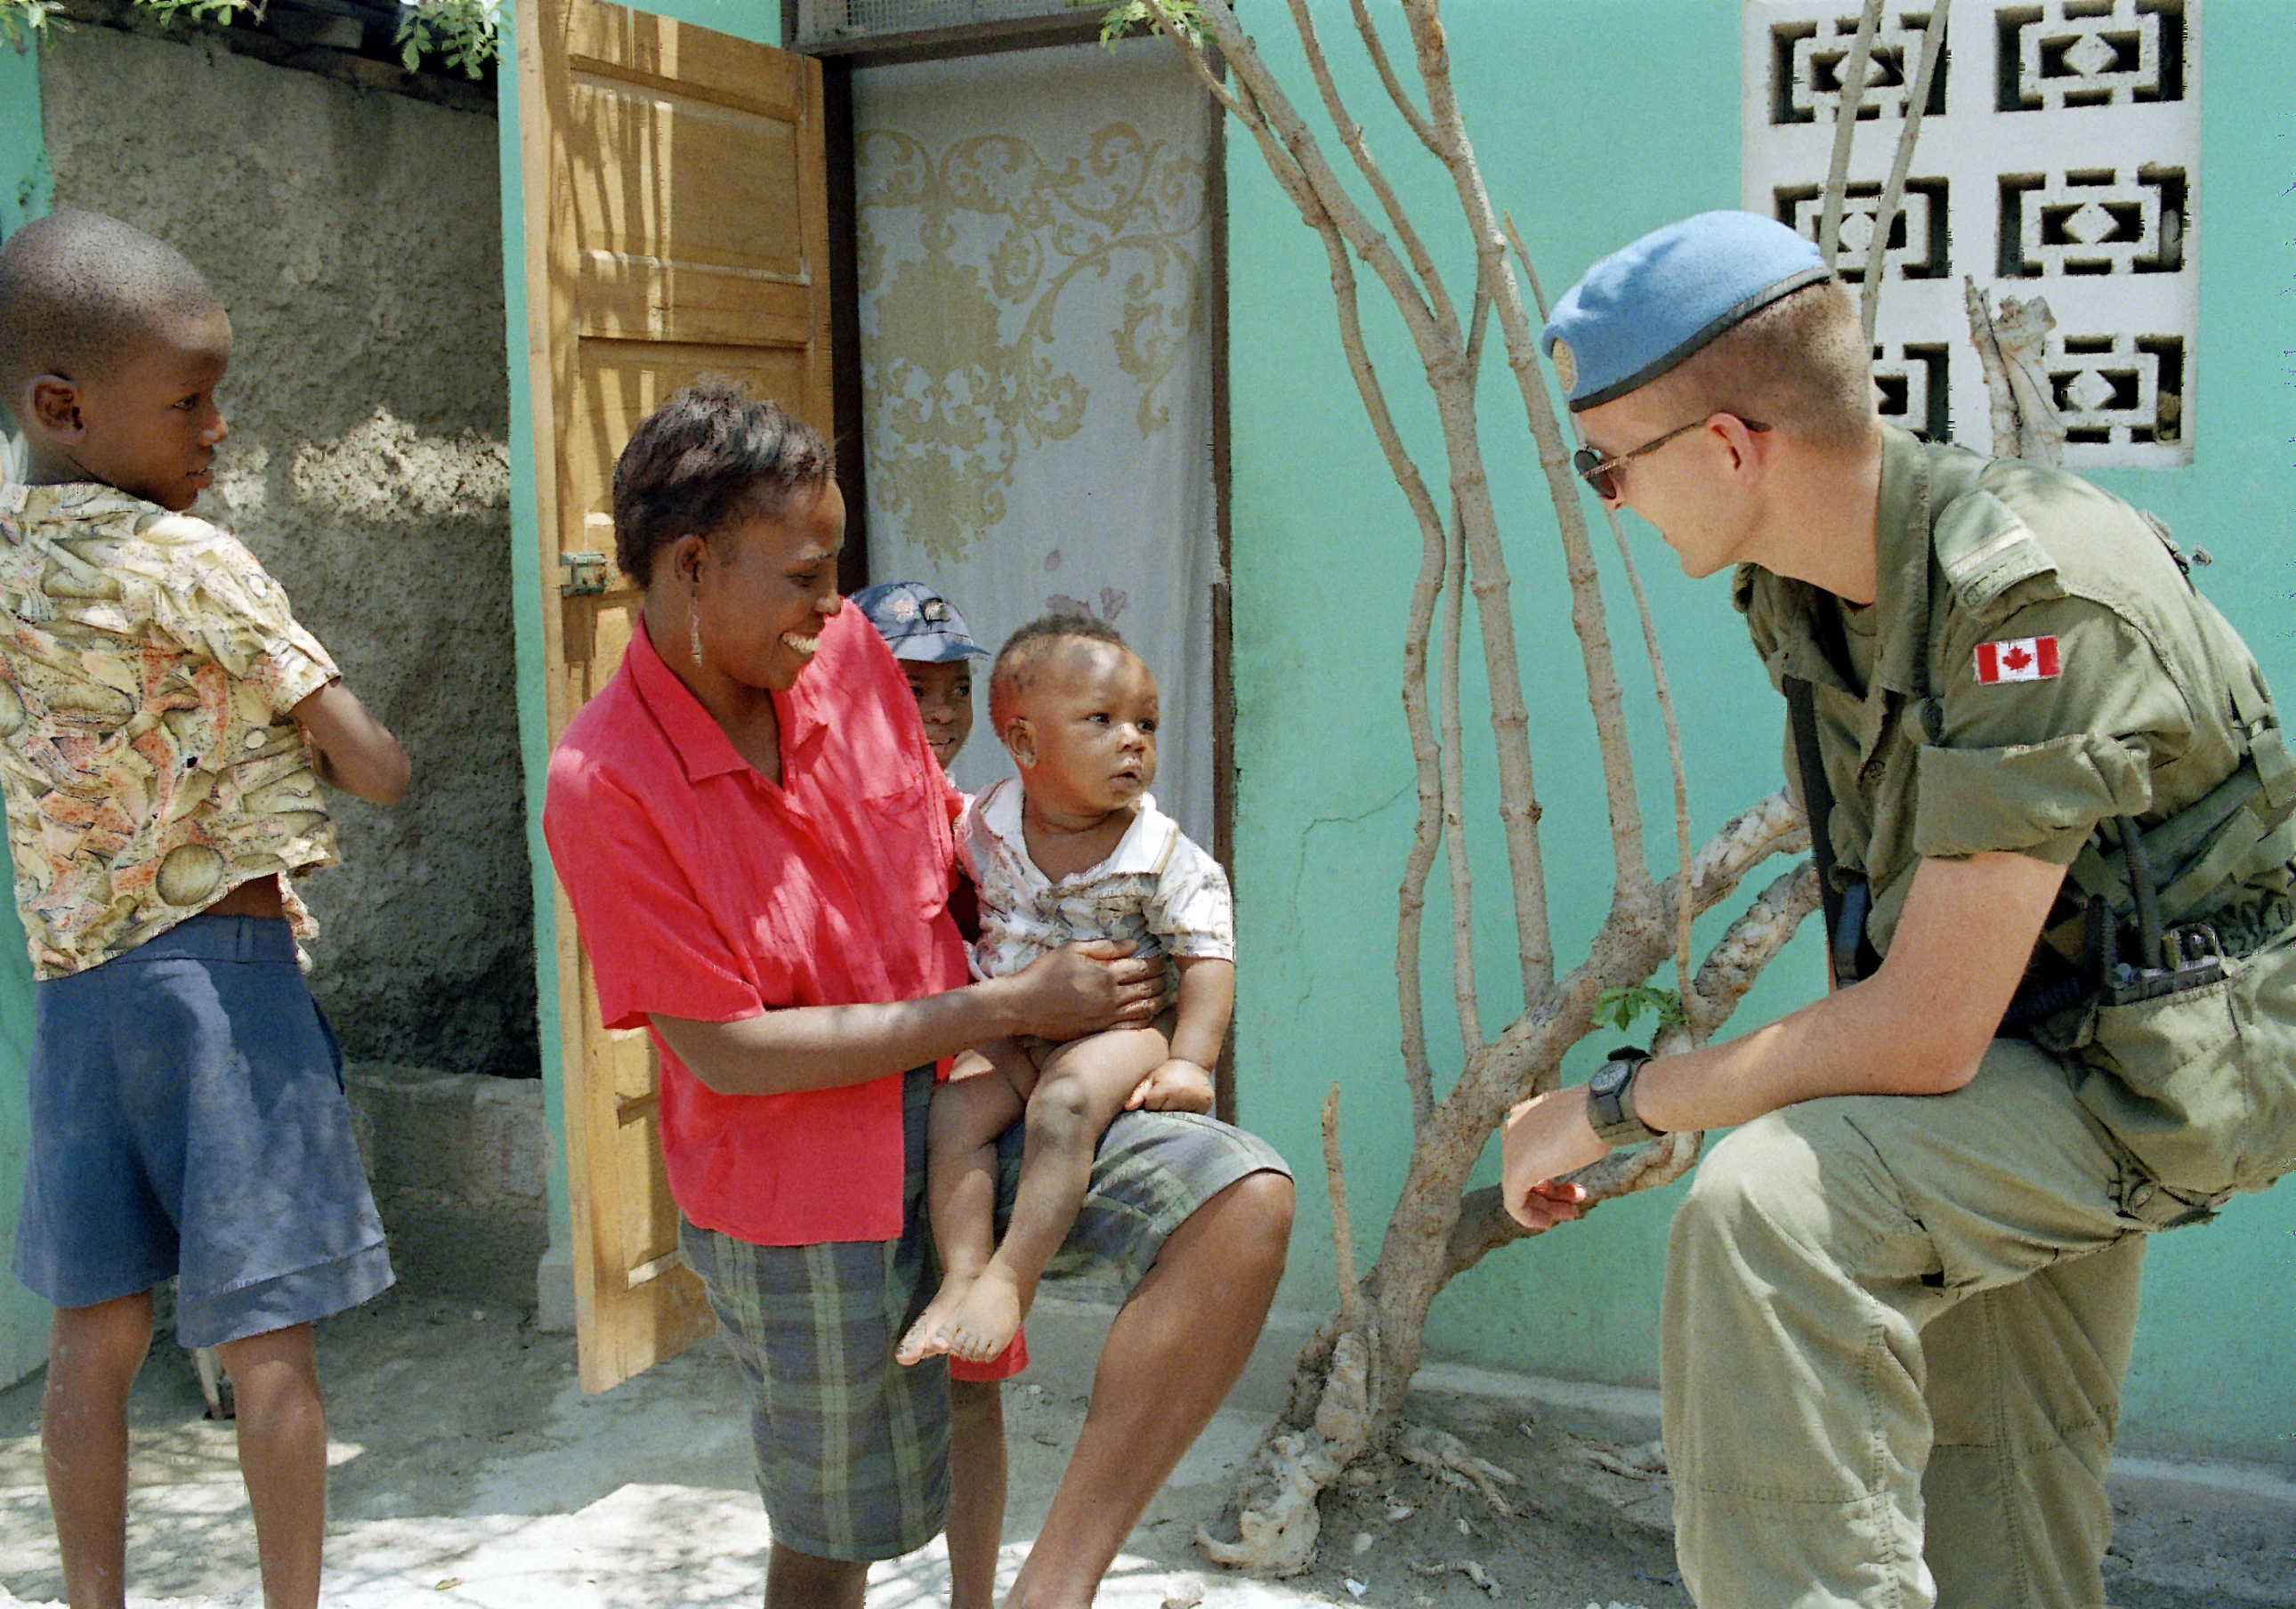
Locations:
column 356, row 239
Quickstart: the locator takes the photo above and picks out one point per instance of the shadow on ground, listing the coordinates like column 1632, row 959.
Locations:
column 468, row 1470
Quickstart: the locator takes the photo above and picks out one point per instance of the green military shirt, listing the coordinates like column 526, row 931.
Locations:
column 2035, row 662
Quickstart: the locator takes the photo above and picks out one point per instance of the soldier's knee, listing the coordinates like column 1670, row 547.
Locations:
column 1801, row 1174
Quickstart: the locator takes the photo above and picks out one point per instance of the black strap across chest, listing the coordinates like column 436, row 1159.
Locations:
column 1948, row 477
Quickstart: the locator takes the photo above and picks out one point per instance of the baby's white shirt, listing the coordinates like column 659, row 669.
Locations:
column 1158, row 889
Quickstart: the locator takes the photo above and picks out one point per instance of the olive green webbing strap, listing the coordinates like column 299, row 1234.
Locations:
column 1951, row 476
column 1816, row 805
column 2239, row 829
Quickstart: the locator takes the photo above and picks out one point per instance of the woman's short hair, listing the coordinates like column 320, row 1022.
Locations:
column 1800, row 365
column 709, row 454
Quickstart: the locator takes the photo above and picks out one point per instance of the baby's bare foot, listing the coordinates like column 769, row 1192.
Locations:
column 987, row 1317
column 929, row 1336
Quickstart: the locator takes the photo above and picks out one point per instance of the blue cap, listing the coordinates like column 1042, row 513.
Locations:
column 1646, row 307
column 917, row 623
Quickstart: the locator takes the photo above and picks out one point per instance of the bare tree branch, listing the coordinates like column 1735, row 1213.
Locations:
column 1845, row 128
column 1351, row 132
column 1343, row 1229
column 1677, row 769
column 1750, row 943
column 1381, row 63
column 2012, row 350
column 1350, row 1380
column 1587, row 617
column 1893, row 193
column 1772, row 825
column 1454, row 746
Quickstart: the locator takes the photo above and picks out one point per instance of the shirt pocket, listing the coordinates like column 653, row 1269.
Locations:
column 905, row 834
column 2199, row 1086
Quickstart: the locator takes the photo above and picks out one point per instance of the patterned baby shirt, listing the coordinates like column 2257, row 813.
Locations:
column 147, row 667
column 1157, row 890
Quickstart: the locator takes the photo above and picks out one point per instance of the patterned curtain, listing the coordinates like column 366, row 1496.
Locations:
column 1034, row 350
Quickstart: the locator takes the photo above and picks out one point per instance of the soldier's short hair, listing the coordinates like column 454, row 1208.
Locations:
column 1801, row 366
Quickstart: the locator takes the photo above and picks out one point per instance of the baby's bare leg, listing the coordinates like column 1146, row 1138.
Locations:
column 1082, row 1088
column 987, row 1090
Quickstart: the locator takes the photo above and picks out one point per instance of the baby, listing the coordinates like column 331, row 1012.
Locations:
column 1074, row 849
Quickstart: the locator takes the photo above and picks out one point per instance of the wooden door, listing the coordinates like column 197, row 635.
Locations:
column 675, row 226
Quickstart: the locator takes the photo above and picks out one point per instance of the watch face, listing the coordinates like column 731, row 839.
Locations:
column 1609, row 1077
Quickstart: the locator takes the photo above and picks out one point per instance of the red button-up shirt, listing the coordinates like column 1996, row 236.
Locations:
column 703, row 891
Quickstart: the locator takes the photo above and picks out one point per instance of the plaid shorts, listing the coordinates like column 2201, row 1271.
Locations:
column 852, row 1448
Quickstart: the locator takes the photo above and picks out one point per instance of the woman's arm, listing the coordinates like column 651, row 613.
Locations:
column 1079, row 988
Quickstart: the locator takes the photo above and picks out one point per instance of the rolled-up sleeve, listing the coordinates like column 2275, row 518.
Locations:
column 2029, row 767
column 217, row 599
column 654, row 947
column 1191, row 909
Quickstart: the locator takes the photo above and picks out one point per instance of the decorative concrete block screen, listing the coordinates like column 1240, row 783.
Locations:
column 828, row 21
column 2058, row 157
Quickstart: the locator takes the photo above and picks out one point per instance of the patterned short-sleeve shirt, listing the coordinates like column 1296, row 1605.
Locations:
column 148, row 663
column 1158, row 891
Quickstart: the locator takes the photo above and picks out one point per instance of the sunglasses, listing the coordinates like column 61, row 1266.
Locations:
column 1602, row 474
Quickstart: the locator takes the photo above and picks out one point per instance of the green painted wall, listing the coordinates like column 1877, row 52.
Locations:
column 526, row 619
column 24, row 194
column 1324, row 556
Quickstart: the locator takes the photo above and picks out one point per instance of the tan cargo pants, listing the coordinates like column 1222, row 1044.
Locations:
column 1895, row 1330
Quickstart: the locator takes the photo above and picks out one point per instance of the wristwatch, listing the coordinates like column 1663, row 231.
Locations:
column 1610, row 1100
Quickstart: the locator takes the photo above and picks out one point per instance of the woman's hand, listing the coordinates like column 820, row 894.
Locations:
column 1085, row 987
column 1544, row 1137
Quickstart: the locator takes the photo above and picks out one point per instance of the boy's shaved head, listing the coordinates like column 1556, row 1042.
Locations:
column 79, row 291
column 1029, row 650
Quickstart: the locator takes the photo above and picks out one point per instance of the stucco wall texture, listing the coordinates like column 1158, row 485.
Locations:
column 356, row 239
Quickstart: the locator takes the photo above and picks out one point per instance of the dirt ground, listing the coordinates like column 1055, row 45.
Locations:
column 468, row 1469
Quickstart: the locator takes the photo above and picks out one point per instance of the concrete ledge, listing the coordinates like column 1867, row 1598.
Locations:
column 458, row 1163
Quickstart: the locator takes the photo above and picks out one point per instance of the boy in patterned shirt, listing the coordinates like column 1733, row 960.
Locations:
column 164, row 727
column 1075, row 849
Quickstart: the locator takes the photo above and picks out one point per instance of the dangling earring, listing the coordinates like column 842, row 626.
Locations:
column 693, row 618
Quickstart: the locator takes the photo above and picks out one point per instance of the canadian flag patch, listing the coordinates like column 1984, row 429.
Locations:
column 2019, row 658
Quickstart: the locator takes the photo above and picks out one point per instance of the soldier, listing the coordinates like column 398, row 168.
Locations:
column 2052, row 811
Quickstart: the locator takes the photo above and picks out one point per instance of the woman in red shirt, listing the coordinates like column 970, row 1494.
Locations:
column 754, row 836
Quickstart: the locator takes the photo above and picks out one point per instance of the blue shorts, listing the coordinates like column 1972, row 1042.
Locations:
column 189, row 1119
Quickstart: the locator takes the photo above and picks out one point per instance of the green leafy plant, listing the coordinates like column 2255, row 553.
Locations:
column 466, row 33
column 209, row 13
column 1181, row 18
column 1619, row 1007
column 22, row 22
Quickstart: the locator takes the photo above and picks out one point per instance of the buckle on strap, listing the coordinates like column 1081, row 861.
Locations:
column 2274, row 767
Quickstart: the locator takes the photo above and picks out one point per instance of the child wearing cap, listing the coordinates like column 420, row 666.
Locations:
column 936, row 653
column 1075, row 849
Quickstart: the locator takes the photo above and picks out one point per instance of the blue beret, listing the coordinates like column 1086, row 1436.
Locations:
column 1646, row 307
column 917, row 623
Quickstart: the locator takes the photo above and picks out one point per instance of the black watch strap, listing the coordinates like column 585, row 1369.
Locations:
column 1611, row 1100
